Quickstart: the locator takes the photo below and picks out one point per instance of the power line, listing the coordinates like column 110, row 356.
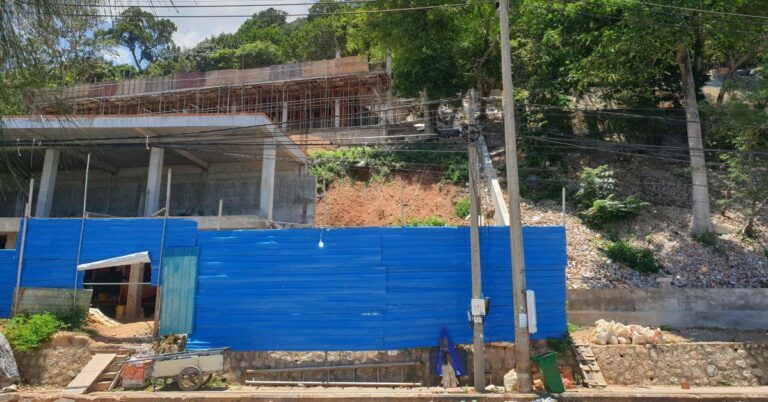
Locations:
column 172, row 4
column 385, row 10
column 699, row 10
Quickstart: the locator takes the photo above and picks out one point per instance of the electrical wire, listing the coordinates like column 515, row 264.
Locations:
column 376, row 11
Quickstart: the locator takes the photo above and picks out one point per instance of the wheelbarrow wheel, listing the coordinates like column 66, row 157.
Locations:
column 190, row 379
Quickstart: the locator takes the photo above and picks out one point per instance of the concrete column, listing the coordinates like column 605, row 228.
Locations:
column 154, row 180
column 389, row 112
column 337, row 113
column 427, row 114
column 285, row 115
column 133, row 301
column 267, row 190
column 47, row 183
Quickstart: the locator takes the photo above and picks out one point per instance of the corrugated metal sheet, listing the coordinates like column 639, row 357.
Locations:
column 367, row 288
column 51, row 250
column 177, row 305
column 8, row 266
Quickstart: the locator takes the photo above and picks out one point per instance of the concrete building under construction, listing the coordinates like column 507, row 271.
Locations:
column 236, row 142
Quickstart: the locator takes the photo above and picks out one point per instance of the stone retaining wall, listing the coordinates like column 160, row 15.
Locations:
column 57, row 362
column 702, row 364
column 500, row 358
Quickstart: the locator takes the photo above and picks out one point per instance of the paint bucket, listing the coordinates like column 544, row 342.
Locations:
column 120, row 312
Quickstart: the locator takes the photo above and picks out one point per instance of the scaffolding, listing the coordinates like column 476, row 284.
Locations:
column 302, row 98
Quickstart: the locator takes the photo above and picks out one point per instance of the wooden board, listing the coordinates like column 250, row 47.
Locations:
column 593, row 377
column 89, row 373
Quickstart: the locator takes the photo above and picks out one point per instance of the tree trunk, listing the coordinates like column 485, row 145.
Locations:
column 728, row 78
column 700, row 189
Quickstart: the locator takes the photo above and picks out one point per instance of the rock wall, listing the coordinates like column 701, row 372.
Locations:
column 713, row 364
column 500, row 358
column 57, row 362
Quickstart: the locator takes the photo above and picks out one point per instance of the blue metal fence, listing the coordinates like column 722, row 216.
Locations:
column 365, row 288
column 8, row 269
column 50, row 256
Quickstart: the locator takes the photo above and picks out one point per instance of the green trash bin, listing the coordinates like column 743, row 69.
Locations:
column 547, row 364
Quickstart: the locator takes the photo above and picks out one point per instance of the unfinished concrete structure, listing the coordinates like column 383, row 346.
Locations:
column 236, row 141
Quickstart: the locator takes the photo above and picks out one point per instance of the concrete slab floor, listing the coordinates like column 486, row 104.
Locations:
column 350, row 394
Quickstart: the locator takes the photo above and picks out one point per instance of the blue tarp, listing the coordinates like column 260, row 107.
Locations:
column 366, row 288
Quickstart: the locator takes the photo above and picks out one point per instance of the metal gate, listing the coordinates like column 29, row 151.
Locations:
column 178, row 287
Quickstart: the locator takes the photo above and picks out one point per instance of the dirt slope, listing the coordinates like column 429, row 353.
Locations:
column 733, row 262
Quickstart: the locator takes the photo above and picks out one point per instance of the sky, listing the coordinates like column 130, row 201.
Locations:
column 190, row 31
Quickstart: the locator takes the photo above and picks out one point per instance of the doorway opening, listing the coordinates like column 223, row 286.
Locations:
column 123, row 292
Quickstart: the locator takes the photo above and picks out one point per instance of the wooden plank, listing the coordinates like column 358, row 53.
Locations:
column 89, row 373
column 593, row 377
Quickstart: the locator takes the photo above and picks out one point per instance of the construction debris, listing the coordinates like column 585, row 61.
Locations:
column 9, row 372
column 616, row 333
column 95, row 316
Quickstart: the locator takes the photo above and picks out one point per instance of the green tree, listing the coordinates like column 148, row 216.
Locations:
column 741, row 126
column 144, row 35
column 257, row 54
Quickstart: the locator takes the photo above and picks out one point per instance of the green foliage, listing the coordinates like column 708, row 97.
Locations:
column 144, row 35
column 379, row 164
column 29, row 332
column 595, row 184
column 430, row 221
column 741, row 126
column 574, row 327
column 639, row 259
column 462, row 207
column 561, row 345
column 613, row 209
column 257, row 54
column 707, row 239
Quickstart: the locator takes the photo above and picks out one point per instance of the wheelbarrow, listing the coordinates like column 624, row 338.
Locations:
column 191, row 370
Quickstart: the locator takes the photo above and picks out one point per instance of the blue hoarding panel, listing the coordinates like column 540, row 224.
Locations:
column 365, row 288
column 8, row 268
column 51, row 250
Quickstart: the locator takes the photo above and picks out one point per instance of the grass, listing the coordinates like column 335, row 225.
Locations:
column 430, row 221
column 574, row 327
column 639, row 259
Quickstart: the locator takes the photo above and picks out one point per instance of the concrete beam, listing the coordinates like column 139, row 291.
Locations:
column 154, row 180
column 268, row 179
column 47, row 183
column 192, row 158
column 94, row 162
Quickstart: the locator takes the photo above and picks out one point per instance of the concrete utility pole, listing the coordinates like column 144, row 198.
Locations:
column 522, row 342
column 478, row 303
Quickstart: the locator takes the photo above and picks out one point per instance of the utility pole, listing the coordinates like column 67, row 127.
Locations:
column 522, row 343
column 478, row 303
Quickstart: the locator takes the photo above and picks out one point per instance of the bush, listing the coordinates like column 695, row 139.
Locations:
column 639, row 259
column 431, row 221
column 462, row 207
column 328, row 166
column 595, row 184
column 611, row 209
column 28, row 332
column 562, row 344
